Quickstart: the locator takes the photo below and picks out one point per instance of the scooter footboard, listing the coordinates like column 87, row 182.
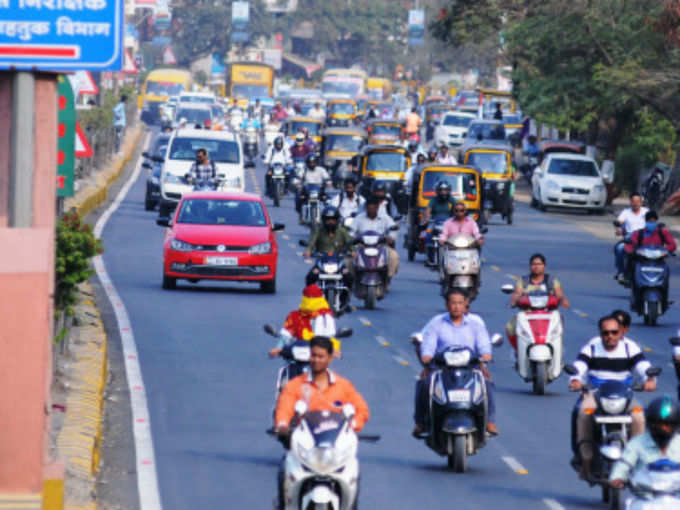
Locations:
column 459, row 423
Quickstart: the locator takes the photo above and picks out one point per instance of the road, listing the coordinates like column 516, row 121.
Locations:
column 210, row 385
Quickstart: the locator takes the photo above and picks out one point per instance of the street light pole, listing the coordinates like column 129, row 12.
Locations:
column 21, row 150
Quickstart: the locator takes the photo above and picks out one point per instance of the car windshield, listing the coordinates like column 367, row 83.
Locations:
column 164, row 88
column 219, row 151
column 249, row 91
column 193, row 115
column 386, row 161
column 204, row 211
column 487, row 131
column 344, row 143
column 573, row 167
column 342, row 108
column 338, row 87
column 312, row 127
column 463, row 185
column 196, row 99
column 457, row 121
column 489, row 162
column 386, row 129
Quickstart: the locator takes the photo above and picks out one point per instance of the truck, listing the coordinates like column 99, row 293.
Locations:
column 248, row 81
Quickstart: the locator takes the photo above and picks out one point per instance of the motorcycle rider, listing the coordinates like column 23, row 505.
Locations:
column 413, row 122
column 461, row 223
column 332, row 238
column 313, row 317
column 444, row 157
column 630, row 219
column 432, row 154
column 322, row 390
column 441, row 207
column 414, row 149
column 653, row 234
column 421, row 159
column 317, row 112
column 349, row 201
column 311, row 144
column 531, row 147
column 379, row 191
column 277, row 153
column 314, row 174
column 453, row 328
column 203, row 169
column 536, row 280
column 660, row 441
column 300, row 149
column 606, row 357
column 370, row 220
column 251, row 121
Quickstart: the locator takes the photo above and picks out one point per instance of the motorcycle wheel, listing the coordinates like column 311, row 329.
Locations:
column 331, row 298
column 411, row 252
column 652, row 314
column 277, row 194
column 615, row 499
column 486, row 214
column 457, row 460
column 540, row 378
column 508, row 217
column 369, row 302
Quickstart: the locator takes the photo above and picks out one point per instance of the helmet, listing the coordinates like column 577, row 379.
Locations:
column 412, row 146
column 350, row 180
column 300, row 138
column 330, row 213
column 432, row 154
column 378, row 186
column 311, row 160
column 278, row 142
column 420, row 158
column 443, row 189
column 663, row 418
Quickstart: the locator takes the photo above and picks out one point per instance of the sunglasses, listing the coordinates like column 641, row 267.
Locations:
column 608, row 332
column 459, row 210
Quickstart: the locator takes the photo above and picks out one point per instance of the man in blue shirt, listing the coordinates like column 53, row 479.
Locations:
column 445, row 330
column 119, row 120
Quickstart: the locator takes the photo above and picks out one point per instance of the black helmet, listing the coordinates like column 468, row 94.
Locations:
column 442, row 188
column 330, row 213
column 420, row 158
column 311, row 160
column 350, row 180
column 412, row 146
column 378, row 186
column 278, row 142
column 662, row 411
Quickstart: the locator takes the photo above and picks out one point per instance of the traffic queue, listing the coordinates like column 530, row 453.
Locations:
column 355, row 180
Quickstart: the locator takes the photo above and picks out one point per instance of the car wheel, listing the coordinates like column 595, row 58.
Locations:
column 169, row 283
column 164, row 211
column 149, row 204
column 541, row 204
column 268, row 287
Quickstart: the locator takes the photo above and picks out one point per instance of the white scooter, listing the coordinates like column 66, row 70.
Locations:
column 321, row 469
column 460, row 265
column 539, row 339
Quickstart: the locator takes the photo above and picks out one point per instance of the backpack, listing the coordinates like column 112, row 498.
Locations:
column 659, row 231
column 547, row 281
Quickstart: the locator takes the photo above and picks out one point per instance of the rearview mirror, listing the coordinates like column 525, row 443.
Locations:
column 349, row 411
column 344, row 333
column 508, row 288
column 303, row 243
column 163, row 221
column 653, row 371
column 484, row 230
column 394, row 227
column 146, row 155
column 417, row 338
column 250, row 164
column 147, row 165
column 269, row 329
column 397, row 218
column 157, row 159
column 675, row 340
column 570, row 369
column 497, row 340
column 277, row 227
column 300, row 407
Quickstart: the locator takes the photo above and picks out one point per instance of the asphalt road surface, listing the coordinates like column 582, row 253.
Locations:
column 210, row 384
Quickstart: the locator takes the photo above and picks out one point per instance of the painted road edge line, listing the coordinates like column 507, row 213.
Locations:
column 514, row 464
column 147, row 478
column 552, row 504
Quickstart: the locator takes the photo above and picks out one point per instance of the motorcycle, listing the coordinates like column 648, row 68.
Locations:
column 331, row 269
column 278, row 183
column 460, row 265
column 321, row 469
column 528, row 168
column 204, row 184
column 434, row 229
column 656, row 486
column 612, row 427
column 295, row 174
column 371, row 267
column 649, row 287
column 458, row 404
column 539, row 339
column 313, row 197
column 250, row 144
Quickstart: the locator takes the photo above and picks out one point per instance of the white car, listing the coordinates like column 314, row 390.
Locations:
column 568, row 180
column 452, row 128
column 224, row 149
column 193, row 113
column 197, row 97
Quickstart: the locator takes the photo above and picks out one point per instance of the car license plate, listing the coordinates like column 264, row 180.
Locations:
column 459, row 395
column 221, row 261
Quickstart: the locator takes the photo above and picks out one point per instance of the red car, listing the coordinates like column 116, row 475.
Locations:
column 220, row 236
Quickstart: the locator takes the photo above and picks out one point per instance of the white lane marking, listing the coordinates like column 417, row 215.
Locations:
column 512, row 276
column 580, row 313
column 552, row 504
column 514, row 464
column 300, row 253
column 364, row 321
column 147, row 478
column 286, row 237
column 495, row 268
column 382, row 341
column 400, row 360
column 292, row 245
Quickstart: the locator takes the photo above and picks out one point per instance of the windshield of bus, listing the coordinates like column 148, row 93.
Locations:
column 219, row 151
column 463, row 185
column 312, row 127
column 343, row 143
column 386, row 161
column 203, row 211
column 164, row 88
column 341, row 87
column 457, row 121
column 386, row 129
column 488, row 162
column 573, row 167
column 242, row 90
column 341, row 108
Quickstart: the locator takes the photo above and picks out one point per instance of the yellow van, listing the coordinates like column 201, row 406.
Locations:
column 159, row 86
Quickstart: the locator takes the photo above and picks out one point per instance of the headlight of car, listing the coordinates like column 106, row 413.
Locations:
column 179, row 245
column 598, row 188
column 553, row 186
column 260, row 249
column 500, row 185
column 613, row 405
column 232, row 182
column 155, row 180
column 172, row 179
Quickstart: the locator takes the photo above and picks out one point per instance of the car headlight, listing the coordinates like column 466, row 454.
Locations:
column 598, row 188
column 552, row 185
column 260, row 249
column 179, row 245
column 155, row 180
column 613, row 405
column 172, row 179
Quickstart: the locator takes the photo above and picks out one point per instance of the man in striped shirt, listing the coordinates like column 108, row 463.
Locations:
column 607, row 357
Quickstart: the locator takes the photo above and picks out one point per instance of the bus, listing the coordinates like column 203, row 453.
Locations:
column 343, row 83
column 379, row 88
column 248, row 81
column 159, row 86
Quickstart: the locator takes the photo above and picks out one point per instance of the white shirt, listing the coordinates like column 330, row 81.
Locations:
column 380, row 224
column 595, row 363
column 317, row 114
column 347, row 206
column 476, row 318
column 449, row 159
column 278, row 156
column 630, row 222
column 317, row 176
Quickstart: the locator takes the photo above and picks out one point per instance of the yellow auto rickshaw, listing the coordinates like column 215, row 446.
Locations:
column 384, row 131
column 292, row 125
column 340, row 112
column 339, row 145
column 388, row 164
column 466, row 186
column 495, row 163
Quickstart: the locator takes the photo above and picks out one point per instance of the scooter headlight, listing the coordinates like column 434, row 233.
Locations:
column 371, row 252
column 613, row 405
column 330, row 268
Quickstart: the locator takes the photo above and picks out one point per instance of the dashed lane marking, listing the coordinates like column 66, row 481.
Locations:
column 309, row 261
column 495, row 268
column 382, row 341
column 286, row 237
column 552, row 504
column 300, row 253
column 292, row 245
column 512, row 276
column 514, row 464
column 364, row 321
column 400, row 360
column 253, row 177
column 647, row 349
column 580, row 313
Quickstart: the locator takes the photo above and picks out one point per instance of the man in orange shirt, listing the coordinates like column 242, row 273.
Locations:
column 413, row 122
column 321, row 389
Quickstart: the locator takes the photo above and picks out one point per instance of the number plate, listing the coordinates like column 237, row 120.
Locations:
column 222, row 261
column 459, row 395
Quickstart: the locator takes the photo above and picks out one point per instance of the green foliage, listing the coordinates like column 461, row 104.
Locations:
column 76, row 244
column 101, row 117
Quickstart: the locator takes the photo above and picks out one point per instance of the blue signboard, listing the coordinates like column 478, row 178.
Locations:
column 240, row 15
column 416, row 27
column 61, row 34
